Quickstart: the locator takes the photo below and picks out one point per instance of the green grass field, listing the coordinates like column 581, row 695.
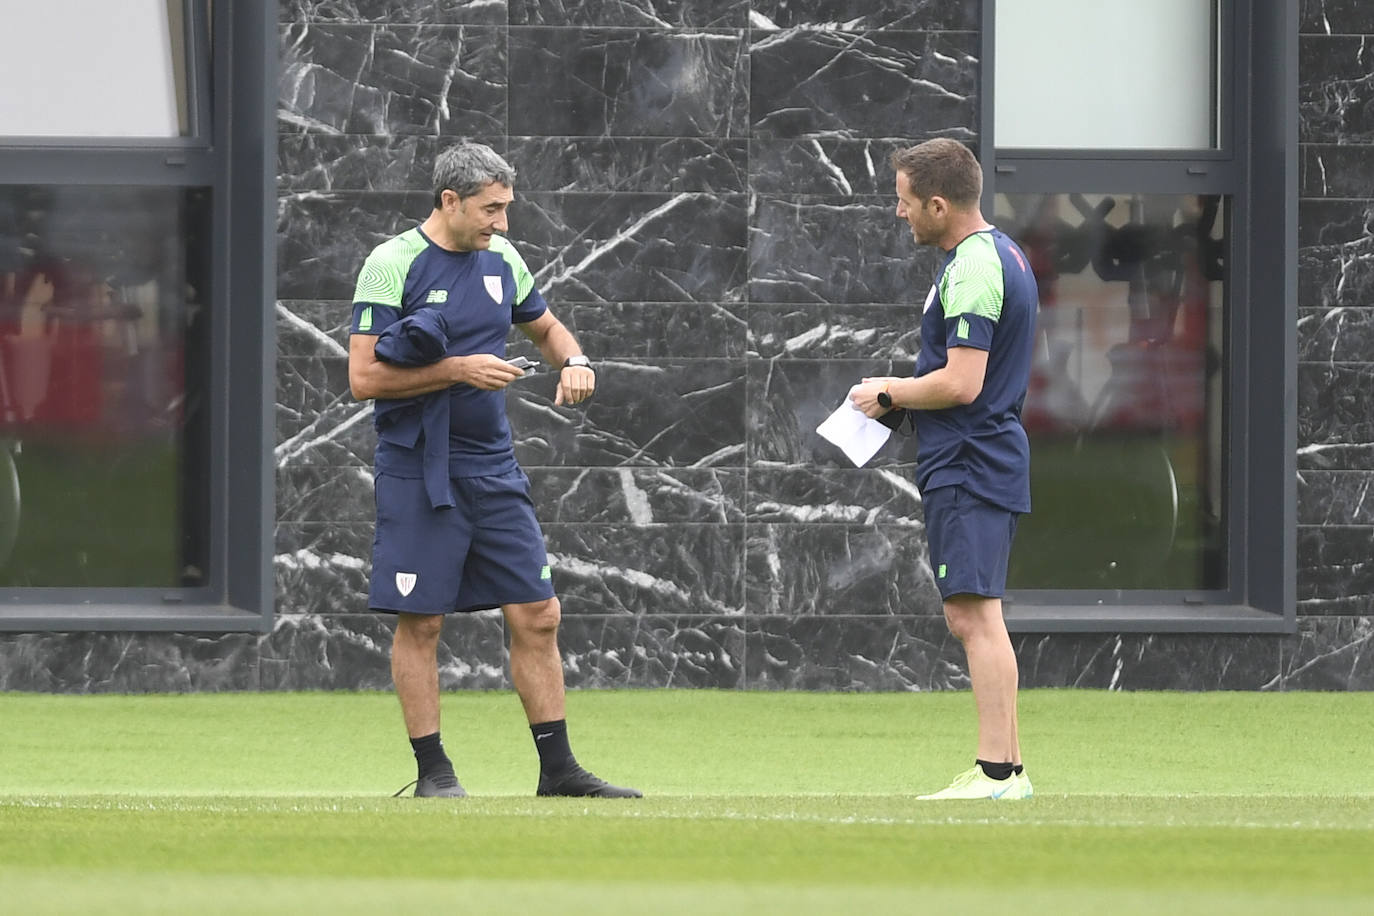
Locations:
column 757, row 803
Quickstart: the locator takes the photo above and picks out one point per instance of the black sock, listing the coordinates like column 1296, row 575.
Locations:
column 551, row 741
column 998, row 771
column 1018, row 769
column 429, row 754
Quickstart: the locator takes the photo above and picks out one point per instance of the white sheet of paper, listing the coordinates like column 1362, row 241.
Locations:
column 857, row 436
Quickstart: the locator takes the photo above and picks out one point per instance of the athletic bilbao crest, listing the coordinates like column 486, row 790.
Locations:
column 494, row 288
column 405, row 583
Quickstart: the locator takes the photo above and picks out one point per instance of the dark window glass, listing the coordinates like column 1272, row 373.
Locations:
column 1127, row 402
column 104, row 315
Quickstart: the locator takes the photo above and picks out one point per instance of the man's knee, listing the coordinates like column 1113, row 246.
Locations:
column 419, row 628
column 535, row 620
column 969, row 616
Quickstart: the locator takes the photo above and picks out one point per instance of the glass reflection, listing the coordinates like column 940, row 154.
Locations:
column 1126, row 407
column 103, row 363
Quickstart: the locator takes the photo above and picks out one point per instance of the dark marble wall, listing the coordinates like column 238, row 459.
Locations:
column 703, row 196
column 1335, row 644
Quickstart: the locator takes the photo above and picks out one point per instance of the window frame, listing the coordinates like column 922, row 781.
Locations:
column 231, row 150
column 1256, row 154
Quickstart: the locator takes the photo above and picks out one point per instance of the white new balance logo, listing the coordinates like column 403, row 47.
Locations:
column 438, row 296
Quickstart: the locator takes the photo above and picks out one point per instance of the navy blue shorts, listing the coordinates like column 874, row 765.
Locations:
column 970, row 541
column 484, row 552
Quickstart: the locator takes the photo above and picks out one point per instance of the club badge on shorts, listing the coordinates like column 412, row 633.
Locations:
column 494, row 290
column 405, row 583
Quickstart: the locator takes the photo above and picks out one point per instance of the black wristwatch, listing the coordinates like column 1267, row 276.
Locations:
column 884, row 400
column 578, row 360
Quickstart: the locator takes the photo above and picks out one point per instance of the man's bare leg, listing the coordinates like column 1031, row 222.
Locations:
column 536, row 668
column 415, row 671
column 977, row 623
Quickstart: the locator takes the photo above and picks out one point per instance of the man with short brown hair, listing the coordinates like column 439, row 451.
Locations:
column 973, row 457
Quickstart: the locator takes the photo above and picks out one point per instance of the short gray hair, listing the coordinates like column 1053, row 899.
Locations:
column 467, row 168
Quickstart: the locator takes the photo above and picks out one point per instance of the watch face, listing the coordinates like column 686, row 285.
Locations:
column 577, row 361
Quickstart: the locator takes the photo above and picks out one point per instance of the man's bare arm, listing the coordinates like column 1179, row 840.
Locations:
column 954, row 384
column 556, row 342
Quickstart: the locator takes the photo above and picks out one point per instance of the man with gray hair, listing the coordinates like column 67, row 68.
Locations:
column 456, row 530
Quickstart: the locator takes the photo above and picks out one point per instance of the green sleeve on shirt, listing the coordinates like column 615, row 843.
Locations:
column 972, row 284
column 382, row 280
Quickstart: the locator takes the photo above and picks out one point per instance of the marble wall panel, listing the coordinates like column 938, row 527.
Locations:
column 802, row 570
column 630, row 164
column 1334, row 89
column 1338, row 571
column 1149, row 662
column 318, row 421
column 881, row 496
column 1335, row 498
column 621, row 332
column 332, row 162
column 1333, row 409
column 659, row 14
column 827, row 166
column 1336, row 17
column 853, row 653
column 324, row 236
column 1335, row 253
column 672, row 412
column 665, row 570
column 1337, row 273
column 307, row 493
column 844, row 15
column 626, row 82
column 1336, row 270
column 817, row 82
column 393, row 79
column 313, row 327
column 321, row 568
column 819, row 252
column 638, row 496
column 414, row 12
column 128, row 662
column 883, row 334
column 649, row 650
column 1330, row 653
column 600, row 247
column 1334, row 222
column 1335, row 335
column 1330, row 170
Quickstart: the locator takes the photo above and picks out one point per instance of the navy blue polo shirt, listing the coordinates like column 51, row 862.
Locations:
column 481, row 294
column 986, row 298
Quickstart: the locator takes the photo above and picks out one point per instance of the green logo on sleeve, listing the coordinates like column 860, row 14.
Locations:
column 943, row 570
column 545, row 574
column 365, row 319
column 963, row 329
